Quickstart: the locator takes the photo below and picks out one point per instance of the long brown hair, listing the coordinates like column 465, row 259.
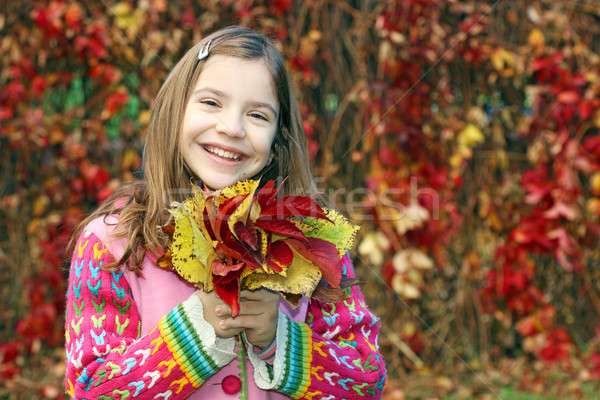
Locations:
column 142, row 205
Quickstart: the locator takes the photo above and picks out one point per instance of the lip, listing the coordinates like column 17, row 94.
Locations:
column 221, row 160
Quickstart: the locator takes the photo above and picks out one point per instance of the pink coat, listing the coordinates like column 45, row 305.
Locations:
column 146, row 337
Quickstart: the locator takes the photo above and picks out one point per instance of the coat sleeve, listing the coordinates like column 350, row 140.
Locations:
column 106, row 356
column 333, row 355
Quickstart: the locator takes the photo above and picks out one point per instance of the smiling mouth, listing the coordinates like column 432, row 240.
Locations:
column 228, row 155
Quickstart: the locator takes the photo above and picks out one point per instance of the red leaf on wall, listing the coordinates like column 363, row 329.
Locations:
column 568, row 97
column 73, row 16
column 562, row 209
column 6, row 113
column 558, row 345
column 114, row 103
column 38, row 85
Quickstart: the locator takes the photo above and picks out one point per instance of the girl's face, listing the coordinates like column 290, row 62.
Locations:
column 230, row 121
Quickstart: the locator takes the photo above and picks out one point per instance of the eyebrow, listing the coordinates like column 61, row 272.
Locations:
column 225, row 95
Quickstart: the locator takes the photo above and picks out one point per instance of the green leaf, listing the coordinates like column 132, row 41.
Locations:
column 341, row 232
column 113, row 126
column 75, row 96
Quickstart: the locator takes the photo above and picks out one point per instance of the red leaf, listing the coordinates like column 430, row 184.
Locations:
column 114, row 102
column 6, row 113
column 225, row 250
column 388, row 158
column 235, row 250
column 73, row 16
column 280, row 227
column 224, row 212
column 281, row 252
column 246, row 234
column 230, row 293
column 38, row 85
column 274, row 265
column 218, row 268
column 325, row 256
column 562, row 209
column 266, row 194
column 210, row 218
column 586, row 109
column 301, row 206
column 568, row 97
column 592, row 144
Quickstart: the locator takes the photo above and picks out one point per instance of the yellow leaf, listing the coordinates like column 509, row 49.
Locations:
column 456, row 160
column 404, row 289
column 241, row 187
column 302, row 278
column 241, row 213
column 413, row 218
column 248, row 271
column 144, row 117
column 536, row 39
column 255, row 211
column 373, row 247
column 184, row 258
column 301, row 225
column 196, row 206
column 595, row 183
column 504, row 62
column 470, row 136
column 40, row 205
column 122, row 9
column 593, row 206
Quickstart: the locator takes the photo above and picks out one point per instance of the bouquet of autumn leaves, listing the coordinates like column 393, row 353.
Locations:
column 239, row 238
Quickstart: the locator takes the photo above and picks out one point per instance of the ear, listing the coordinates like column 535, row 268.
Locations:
column 273, row 153
column 271, row 157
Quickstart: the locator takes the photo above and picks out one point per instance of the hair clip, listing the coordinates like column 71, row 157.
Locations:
column 204, row 51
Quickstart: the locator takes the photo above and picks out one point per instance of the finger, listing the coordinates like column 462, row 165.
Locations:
column 258, row 294
column 226, row 333
column 242, row 322
column 223, row 310
column 253, row 308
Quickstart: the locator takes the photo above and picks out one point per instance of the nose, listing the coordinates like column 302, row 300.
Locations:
column 231, row 124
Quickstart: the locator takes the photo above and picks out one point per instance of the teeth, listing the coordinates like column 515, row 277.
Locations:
column 223, row 153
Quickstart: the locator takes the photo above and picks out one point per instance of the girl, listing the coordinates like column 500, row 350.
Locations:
column 226, row 112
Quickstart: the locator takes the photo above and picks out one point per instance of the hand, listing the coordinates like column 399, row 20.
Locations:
column 210, row 302
column 258, row 315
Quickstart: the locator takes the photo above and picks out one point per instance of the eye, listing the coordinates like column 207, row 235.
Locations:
column 259, row 116
column 209, row 102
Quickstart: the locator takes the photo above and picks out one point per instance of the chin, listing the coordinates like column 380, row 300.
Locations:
column 217, row 184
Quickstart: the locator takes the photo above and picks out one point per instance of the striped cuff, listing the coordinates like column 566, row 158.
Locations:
column 268, row 353
column 193, row 342
column 293, row 355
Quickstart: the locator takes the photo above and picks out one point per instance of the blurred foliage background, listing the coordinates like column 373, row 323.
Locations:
column 461, row 134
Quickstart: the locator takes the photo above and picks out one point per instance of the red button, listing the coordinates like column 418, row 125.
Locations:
column 231, row 384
